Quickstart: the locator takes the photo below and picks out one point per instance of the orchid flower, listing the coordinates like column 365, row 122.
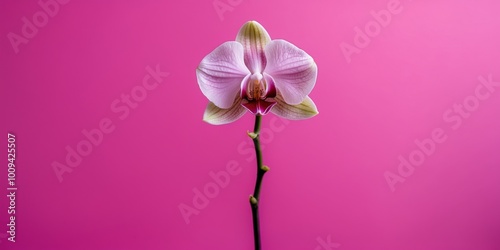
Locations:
column 257, row 74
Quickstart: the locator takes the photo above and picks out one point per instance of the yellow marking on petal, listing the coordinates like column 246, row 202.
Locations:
column 254, row 38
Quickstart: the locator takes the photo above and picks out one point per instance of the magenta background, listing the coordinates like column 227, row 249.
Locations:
column 326, row 173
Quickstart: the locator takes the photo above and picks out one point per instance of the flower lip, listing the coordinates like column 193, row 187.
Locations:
column 258, row 94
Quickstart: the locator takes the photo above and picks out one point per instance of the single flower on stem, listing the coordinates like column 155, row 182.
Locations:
column 260, row 75
column 257, row 74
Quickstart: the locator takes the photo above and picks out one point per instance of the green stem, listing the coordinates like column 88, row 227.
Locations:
column 261, row 170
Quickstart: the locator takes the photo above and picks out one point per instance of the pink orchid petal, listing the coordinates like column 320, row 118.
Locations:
column 221, row 72
column 293, row 70
column 217, row 116
column 306, row 109
column 254, row 39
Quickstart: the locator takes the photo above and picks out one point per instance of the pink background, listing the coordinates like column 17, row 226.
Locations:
column 327, row 173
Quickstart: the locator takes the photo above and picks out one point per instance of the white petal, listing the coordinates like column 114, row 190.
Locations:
column 293, row 70
column 304, row 110
column 221, row 72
